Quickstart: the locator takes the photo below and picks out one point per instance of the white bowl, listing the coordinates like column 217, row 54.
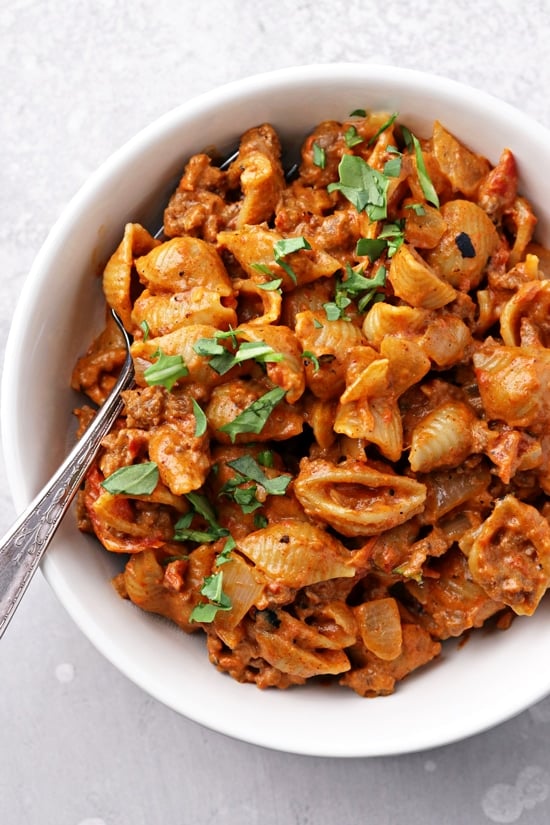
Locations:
column 468, row 689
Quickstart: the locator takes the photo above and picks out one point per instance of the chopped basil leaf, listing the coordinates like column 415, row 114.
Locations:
column 263, row 268
column 417, row 208
column 309, row 356
column 425, row 182
column 265, row 458
column 352, row 137
column 212, row 588
column 254, row 417
column 390, row 238
column 146, row 331
column 222, row 360
column 394, row 233
column 392, row 168
column 358, row 113
column 224, row 555
column 286, row 246
column 249, row 469
column 208, row 346
column 271, row 286
column 260, row 521
column 201, row 423
column 372, row 296
column 200, row 506
column 166, row 370
column 245, row 497
column 373, row 247
column 363, row 186
column 136, row 479
column 258, row 351
column 317, row 324
column 407, row 137
column 332, row 311
column 319, row 156
column 355, row 287
column 383, row 128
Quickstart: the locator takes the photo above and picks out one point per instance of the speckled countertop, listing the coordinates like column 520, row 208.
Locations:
column 79, row 744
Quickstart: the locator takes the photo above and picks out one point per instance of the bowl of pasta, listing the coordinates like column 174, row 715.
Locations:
column 332, row 470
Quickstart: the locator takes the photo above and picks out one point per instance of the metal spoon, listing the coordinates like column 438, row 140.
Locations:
column 22, row 548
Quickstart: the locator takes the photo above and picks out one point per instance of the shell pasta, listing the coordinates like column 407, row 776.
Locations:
column 335, row 456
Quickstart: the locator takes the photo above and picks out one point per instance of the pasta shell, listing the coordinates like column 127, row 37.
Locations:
column 452, row 602
column 117, row 276
column 446, row 341
column 385, row 319
column 513, row 384
column 287, row 373
column 294, row 648
column 463, row 168
column 181, row 264
column 416, row 283
column 407, row 363
column 425, row 230
column 166, row 312
column 371, row 381
column 470, row 239
column 378, row 422
column 524, row 318
column 444, row 438
column 258, row 306
column 182, row 458
column 296, row 553
column 180, row 342
column 232, row 398
column 330, row 342
column 524, row 223
column 320, row 417
column 509, row 555
column 253, row 245
column 354, row 498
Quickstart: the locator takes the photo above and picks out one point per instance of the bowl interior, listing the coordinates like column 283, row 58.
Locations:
column 61, row 307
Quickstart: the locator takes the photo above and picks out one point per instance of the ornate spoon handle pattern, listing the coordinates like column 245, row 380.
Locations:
column 23, row 546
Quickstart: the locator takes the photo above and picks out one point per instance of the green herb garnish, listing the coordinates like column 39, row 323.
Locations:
column 309, row 356
column 166, row 370
column 352, row 137
column 200, row 506
column 389, row 122
column 417, row 208
column 254, row 417
column 212, row 588
column 286, row 246
column 136, row 480
column 271, row 286
column 355, row 287
column 247, row 470
column 201, row 422
column 319, row 156
column 425, row 181
column 222, row 360
column 146, row 331
column 363, row 186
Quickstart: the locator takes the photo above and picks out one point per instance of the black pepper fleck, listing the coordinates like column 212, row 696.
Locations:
column 465, row 245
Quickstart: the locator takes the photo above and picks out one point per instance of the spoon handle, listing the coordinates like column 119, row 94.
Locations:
column 23, row 546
